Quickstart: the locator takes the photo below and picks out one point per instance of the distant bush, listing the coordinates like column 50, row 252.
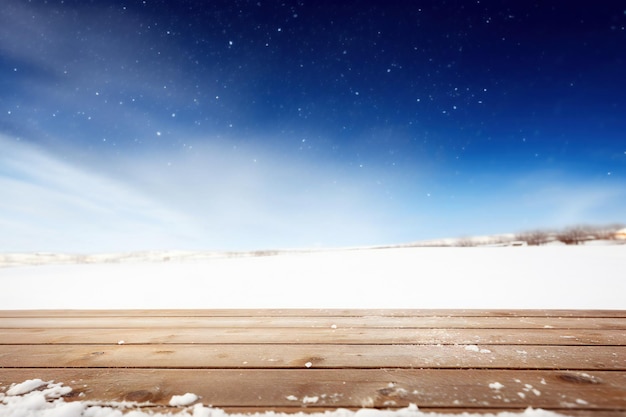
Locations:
column 576, row 235
column 535, row 237
column 265, row 253
column 466, row 242
column 571, row 236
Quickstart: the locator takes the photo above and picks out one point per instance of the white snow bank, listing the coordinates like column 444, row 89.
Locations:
column 38, row 398
column 48, row 402
column 25, row 387
column 567, row 277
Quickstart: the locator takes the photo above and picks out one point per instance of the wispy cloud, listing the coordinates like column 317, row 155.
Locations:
column 252, row 196
column 217, row 196
column 48, row 204
column 211, row 199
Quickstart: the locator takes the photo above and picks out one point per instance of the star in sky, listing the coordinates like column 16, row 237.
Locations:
column 141, row 124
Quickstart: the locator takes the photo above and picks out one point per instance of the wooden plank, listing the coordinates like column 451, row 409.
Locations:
column 439, row 410
column 321, row 322
column 258, row 360
column 313, row 336
column 318, row 356
column 463, row 388
column 316, row 313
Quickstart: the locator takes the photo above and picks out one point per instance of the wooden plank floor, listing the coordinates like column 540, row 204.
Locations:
column 572, row 362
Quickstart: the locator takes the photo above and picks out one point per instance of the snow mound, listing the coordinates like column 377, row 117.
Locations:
column 25, row 387
column 183, row 400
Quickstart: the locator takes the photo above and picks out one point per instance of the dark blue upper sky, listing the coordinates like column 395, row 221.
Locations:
column 237, row 124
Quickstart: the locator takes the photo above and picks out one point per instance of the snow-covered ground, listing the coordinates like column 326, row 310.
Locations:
column 563, row 277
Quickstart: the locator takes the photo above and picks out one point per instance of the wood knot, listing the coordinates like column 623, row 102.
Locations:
column 141, row 396
column 386, row 391
column 393, row 391
column 579, row 379
column 74, row 394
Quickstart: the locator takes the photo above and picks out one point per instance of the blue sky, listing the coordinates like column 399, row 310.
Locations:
column 131, row 125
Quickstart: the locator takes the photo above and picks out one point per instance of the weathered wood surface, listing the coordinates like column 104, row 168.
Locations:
column 268, row 356
column 318, row 322
column 573, row 362
column 394, row 336
column 317, row 313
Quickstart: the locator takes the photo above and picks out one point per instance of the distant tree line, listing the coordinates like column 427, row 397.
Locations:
column 575, row 235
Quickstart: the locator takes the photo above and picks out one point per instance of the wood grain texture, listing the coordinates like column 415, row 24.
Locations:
column 345, row 387
column 573, row 362
column 340, row 336
column 315, row 313
column 200, row 356
column 318, row 322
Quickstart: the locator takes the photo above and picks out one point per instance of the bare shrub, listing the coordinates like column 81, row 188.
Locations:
column 498, row 241
column 535, row 237
column 265, row 252
column 575, row 235
column 465, row 242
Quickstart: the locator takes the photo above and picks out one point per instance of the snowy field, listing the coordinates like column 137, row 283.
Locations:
column 552, row 277
column 548, row 277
